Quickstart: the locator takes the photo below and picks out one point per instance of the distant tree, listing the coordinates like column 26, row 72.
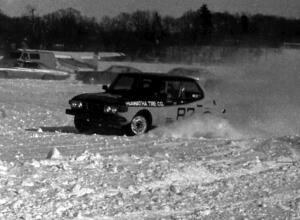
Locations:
column 144, row 30
column 141, row 21
column 244, row 24
column 106, row 23
column 206, row 19
column 30, row 11
column 156, row 28
column 188, row 28
column 170, row 25
column 203, row 23
column 123, row 22
column 65, row 27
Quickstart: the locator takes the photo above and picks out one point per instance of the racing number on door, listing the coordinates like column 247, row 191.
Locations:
column 182, row 112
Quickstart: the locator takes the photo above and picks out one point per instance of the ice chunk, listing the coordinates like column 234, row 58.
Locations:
column 54, row 154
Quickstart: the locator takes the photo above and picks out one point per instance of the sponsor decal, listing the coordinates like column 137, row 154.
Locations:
column 145, row 103
column 182, row 112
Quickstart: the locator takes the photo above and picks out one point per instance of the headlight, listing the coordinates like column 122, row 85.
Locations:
column 110, row 109
column 76, row 104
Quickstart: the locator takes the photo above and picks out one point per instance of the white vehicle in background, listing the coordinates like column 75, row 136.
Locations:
column 40, row 56
column 32, row 70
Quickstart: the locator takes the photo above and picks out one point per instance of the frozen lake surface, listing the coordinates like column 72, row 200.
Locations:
column 243, row 166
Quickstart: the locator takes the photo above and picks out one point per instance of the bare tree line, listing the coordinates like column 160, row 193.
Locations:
column 68, row 29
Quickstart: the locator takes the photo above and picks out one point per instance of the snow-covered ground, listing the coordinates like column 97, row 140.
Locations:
column 243, row 166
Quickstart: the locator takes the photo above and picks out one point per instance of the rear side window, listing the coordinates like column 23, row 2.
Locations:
column 190, row 91
column 172, row 89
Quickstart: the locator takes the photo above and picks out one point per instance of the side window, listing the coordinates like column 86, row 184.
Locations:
column 147, row 88
column 172, row 89
column 168, row 90
column 190, row 91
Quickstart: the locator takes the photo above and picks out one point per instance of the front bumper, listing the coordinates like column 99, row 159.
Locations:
column 101, row 120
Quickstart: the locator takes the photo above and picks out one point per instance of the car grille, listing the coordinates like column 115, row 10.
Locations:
column 94, row 107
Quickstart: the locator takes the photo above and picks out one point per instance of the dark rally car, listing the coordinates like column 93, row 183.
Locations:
column 137, row 102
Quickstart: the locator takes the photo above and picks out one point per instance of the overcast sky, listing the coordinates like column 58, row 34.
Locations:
column 99, row 8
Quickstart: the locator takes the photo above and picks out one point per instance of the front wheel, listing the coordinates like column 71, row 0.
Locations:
column 82, row 123
column 138, row 125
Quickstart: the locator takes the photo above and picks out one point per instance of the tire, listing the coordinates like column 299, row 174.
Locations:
column 138, row 125
column 82, row 123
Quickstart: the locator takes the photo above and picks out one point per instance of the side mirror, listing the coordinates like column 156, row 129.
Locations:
column 105, row 87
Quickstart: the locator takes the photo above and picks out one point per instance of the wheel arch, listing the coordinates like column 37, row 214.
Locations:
column 146, row 113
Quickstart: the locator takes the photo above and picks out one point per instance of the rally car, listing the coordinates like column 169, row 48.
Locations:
column 137, row 102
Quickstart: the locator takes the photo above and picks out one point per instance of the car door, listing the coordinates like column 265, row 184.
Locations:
column 169, row 90
column 191, row 99
column 184, row 98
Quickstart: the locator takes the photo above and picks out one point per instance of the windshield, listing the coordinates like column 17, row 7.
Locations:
column 122, row 84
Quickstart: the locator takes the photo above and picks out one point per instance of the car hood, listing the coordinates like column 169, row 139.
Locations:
column 100, row 98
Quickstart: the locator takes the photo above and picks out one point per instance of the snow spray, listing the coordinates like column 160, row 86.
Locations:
column 197, row 126
column 262, row 96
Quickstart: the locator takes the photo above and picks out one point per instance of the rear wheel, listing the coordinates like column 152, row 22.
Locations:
column 82, row 123
column 138, row 125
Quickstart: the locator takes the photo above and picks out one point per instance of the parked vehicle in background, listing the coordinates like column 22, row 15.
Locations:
column 136, row 102
column 32, row 70
column 39, row 56
column 106, row 76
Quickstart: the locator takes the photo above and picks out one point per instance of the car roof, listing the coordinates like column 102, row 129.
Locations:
column 117, row 65
column 160, row 75
column 192, row 71
column 123, row 66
